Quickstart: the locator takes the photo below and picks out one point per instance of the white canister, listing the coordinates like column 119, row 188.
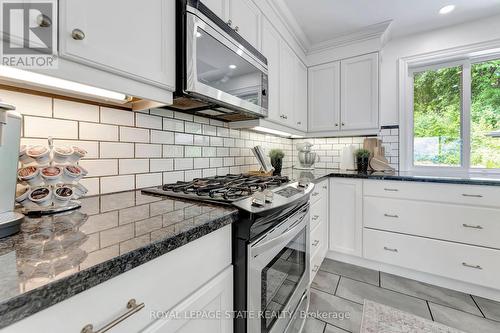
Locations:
column 72, row 174
column 62, row 195
column 42, row 196
column 52, row 175
column 40, row 154
column 79, row 191
column 78, row 153
column 63, row 154
column 31, row 175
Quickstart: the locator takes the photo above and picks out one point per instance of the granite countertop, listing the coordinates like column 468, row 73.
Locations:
column 317, row 175
column 56, row 257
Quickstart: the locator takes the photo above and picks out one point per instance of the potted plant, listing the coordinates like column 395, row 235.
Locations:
column 276, row 156
column 362, row 160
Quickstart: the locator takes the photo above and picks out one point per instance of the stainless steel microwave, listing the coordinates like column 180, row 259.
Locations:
column 219, row 74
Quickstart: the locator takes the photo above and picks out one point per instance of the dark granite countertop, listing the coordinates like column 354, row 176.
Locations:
column 317, row 175
column 56, row 257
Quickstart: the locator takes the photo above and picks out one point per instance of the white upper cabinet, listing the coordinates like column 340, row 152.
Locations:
column 271, row 50
column 300, row 95
column 219, row 7
column 324, row 97
column 244, row 17
column 126, row 37
column 287, row 84
column 359, row 92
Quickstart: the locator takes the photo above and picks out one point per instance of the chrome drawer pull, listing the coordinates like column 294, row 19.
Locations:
column 315, row 243
column 389, row 249
column 315, row 194
column 133, row 309
column 315, row 217
column 315, row 269
column 390, row 215
column 472, row 195
column 472, row 226
column 471, row 266
column 391, row 189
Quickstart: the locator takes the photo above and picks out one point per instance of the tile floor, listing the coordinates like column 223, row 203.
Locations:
column 341, row 287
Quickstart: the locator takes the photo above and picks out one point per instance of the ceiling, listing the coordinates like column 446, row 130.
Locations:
column 324, row 20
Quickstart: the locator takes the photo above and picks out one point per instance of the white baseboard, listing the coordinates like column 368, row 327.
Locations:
column 419, row 276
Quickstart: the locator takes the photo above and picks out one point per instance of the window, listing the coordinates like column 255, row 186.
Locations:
column 456, row 115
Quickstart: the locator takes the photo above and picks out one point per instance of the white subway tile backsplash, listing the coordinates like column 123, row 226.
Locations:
column 28, row 104
column 148, row 180
column 129, row 166
column 98, row 132
column 76, row 111
column 91, row 184
column 144, row 150
column 216, row 141
column 223, row 132
column 162, row 112
column 221, row 152
column 201, row 163
column 98, row 168
column 193, row 128
column 148, row 121
column 162, row 137
column 183, row 164
column 92, row 147
column 173, row 151
column 117, row 116
column 131, row 134
column 183, row 139
column 116, row 150
column 201, row 120
column 201, row 140
column 36, row 127
column 173, row 176
column 162, row 164
column 117, row 183
column 183, row 116
column 190, row 151
column 192, row 174
column 216, row 162
column 209, row 151
column 209, row 130
column 173, row 125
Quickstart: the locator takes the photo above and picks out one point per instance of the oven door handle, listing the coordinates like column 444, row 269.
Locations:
column 258, row 249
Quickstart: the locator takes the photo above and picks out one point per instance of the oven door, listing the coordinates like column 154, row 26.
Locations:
column 278, row 274
column 223, row 71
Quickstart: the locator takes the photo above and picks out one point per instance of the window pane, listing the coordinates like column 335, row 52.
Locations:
column 485, row 115
column 437, row 117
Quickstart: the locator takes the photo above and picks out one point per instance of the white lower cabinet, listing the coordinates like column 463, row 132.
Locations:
column 318, row 240
column 187, row 278
column 346, row 224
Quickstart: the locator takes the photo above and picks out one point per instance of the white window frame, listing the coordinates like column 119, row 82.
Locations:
column 464, row 56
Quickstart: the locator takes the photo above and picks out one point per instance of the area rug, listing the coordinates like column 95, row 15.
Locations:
column 379, row 318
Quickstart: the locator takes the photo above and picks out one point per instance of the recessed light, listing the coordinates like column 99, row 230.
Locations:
column 447, row 9
column 232, row 66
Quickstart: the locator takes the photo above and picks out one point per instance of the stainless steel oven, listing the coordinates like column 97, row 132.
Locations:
column 220, row 74
column 278, row 276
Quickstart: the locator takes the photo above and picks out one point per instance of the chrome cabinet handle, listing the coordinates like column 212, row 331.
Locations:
column 343, row 124
column 391, row 189
column 77, row 34
column 315, row 269
column 315, row 217
column 229, row 22
column 472, row 226
column 391, row 215
column 472, row 195
column 471, row 266
column 43, row 21
column 389, row 249
column 133, row 309
column 236, row 28
column 315, row 243
column 336, row 124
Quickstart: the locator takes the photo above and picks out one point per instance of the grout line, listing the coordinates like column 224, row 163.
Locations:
column 429, row 307
column 481, row 311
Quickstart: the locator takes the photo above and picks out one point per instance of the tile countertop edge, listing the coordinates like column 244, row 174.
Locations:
column 33, row 301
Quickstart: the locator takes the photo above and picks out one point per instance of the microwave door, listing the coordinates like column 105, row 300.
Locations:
column 222, row 71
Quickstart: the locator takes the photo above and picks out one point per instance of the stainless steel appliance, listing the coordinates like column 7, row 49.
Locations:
column 10, row 132
column 219, row 74
column 270, row 246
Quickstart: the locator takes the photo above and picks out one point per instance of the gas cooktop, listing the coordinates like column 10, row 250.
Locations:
column 220, row 189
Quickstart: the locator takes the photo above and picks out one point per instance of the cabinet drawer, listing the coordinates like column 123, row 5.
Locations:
column 316, row 261
column 451, row 193
column 466, row 224
column 318, row 238
column 467, row 263
column 319, row 213
column 160, row 284
column 320, row 191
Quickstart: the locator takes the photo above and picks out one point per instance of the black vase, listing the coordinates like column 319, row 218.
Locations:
column 362, row 164
column 277, row 164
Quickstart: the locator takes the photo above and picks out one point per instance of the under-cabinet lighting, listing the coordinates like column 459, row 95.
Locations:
column 270, row 131
column 293, row 136
column 232, row 66
column 61, row 84
column 447, row 9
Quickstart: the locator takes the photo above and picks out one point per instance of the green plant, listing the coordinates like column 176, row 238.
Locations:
column 362, row 153
column 276, row 154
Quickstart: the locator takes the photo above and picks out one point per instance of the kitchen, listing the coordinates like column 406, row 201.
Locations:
column 137, row 195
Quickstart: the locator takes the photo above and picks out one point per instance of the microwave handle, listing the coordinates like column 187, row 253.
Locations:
column 284, row 237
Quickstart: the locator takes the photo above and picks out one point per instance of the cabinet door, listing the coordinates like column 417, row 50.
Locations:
column 215, row 296
column 346, row 227
column 359, row 92
column 300, row 107
column 271, row 50
column 127, row 37
column 219, row 7
column 245, row 19
column 287, row 85
column 324, row 97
